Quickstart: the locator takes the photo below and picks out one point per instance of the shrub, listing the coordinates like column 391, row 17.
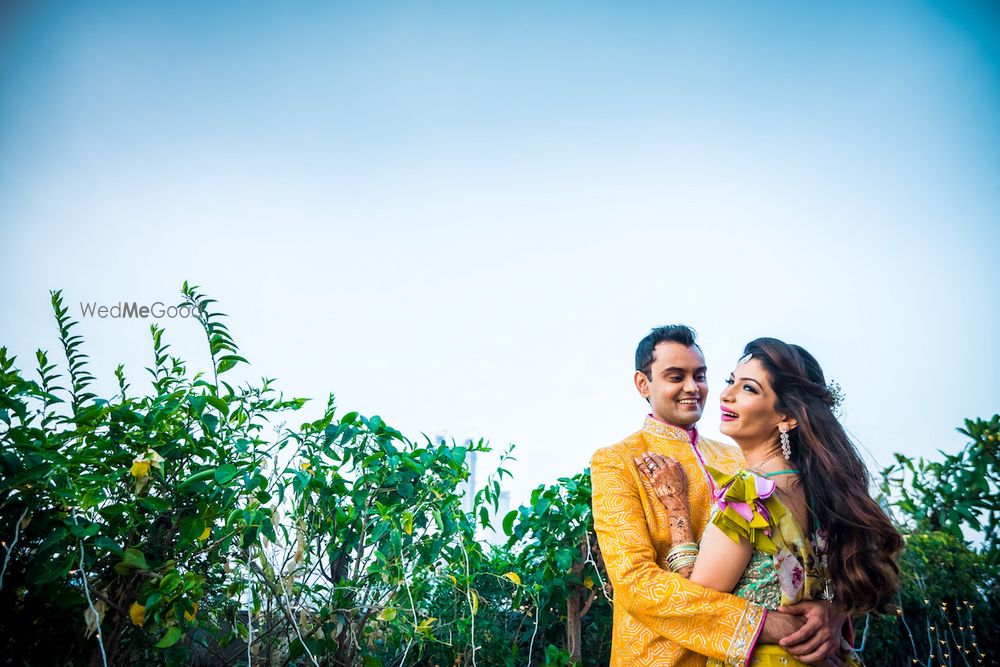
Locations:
column 949, row 596
column 191, row 526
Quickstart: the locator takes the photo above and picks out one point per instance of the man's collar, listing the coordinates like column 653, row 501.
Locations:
column 662, row 429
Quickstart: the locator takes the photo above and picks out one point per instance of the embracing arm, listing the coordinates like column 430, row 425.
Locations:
column 721, row 561
column 670, row 486
column 664, row 602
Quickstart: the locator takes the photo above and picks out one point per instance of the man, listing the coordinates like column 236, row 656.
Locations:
column 661, row 618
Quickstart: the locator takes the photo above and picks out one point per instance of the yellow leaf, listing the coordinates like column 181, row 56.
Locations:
column 307, row 467
column 94, row 621
column 189, row 615
column 387, row 614
column 300, row 547
column 137, row 613
column 453, row 579
column 475, row 602
column 140, row 469
column 588, row 583
column 513, row 577
column 205, row 533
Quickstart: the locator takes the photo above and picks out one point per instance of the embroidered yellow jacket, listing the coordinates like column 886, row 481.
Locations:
column 660, row 618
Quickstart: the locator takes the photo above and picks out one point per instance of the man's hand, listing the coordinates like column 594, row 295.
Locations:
column 819, row 637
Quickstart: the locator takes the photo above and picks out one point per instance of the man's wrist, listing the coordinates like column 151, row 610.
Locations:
column 777, row 626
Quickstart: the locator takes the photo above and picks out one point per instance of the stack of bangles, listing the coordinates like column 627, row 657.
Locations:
column 681, row 556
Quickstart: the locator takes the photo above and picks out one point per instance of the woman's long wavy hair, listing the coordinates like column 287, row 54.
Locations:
column 863, row 543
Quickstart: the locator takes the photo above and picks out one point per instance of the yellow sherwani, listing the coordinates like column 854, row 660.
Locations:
column 660, row 618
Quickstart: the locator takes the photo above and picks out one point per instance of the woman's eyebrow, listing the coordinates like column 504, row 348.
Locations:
column 752, row 380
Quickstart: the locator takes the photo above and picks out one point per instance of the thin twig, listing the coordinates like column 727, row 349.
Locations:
column 278, row 593
column 531, row 646
column 90, row 602
column 590, row 559
column 10, row 549
column 249, row 619
column 468, row 597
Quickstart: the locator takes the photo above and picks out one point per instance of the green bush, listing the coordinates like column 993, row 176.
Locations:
column 562, row 567
column 949, row 598
column 191, row 526
column 945, row 613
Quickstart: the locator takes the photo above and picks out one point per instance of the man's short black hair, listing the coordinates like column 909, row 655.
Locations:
column 671, row 333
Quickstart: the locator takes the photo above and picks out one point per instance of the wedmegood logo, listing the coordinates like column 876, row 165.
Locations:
column 131, row 309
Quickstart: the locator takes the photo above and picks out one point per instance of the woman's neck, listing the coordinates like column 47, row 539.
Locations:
column 758, row 453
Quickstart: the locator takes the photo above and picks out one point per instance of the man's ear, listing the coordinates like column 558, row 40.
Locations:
column 642, row 384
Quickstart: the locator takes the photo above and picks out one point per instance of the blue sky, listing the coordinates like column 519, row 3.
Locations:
column 463, row 217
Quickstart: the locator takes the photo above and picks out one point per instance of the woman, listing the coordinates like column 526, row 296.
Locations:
column 797, row 522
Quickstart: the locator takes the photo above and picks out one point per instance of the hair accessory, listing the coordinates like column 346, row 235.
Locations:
column 836, row 396
column 786, row 443
column 745, row 358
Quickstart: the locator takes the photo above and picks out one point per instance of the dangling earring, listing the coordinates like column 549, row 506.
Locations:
column 786, row 443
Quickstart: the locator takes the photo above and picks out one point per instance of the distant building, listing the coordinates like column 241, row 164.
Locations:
column 470, row 487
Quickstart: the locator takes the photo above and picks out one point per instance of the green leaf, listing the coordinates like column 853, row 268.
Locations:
column 191, row 528
column 170, row 582
column 108, row 544
column 200, row 476
column 218, row 403
column 135, row 558
column 228, row 361
column 85, row 531
column 508, row 522
column 155, row 504
column 211, row 423
column 564, row 559
column 170, row 638
column 225, row 473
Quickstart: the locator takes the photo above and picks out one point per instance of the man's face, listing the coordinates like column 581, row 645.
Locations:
column 677, row 389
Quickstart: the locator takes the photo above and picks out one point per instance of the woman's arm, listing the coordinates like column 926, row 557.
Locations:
column 721, row 561
column 670, row 485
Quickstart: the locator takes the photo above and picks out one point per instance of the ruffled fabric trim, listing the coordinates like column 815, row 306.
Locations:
column 746, row 508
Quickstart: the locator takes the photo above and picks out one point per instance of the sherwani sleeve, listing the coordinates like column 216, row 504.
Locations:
column 714, row 624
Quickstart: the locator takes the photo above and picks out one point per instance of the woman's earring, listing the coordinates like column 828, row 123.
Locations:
column 786, row 443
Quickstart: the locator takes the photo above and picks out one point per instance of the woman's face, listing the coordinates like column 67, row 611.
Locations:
column 748, row 413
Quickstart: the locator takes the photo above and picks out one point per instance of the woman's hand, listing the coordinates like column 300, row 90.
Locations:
column 664, row 474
